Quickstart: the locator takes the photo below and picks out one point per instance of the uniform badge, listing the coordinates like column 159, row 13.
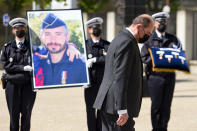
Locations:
column 175, row 54
column 11, row 59
column 161, row 53
column 90, row 56
column 64, row 77
column 104, row 52
column 169, row 57
column 182, row 59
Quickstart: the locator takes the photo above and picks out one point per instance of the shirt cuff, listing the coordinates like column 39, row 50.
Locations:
column 120, row 112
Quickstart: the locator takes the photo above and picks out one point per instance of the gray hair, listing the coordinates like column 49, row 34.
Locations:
column 145, row 21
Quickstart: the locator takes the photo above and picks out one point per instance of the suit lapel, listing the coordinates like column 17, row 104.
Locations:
column 135, row 45
column 130, row 35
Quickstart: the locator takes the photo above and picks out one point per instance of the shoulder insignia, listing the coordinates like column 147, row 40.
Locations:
column 6, row 44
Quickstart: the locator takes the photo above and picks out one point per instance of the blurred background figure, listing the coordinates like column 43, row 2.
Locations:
column 96, row 50
column 160, row 84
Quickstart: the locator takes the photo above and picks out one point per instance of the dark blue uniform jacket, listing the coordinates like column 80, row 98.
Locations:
column 14, row 60
column 64, row 72
column 97, row 50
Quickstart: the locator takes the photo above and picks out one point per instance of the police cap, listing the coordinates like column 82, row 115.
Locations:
column 52, row 21
column 161, row 16
column 18, row 22
column 97, row 21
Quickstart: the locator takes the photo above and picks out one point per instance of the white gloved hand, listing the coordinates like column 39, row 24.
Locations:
column 28, row 68
column 86, row 86
column 90, row 62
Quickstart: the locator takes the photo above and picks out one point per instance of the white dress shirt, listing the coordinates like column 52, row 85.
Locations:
column 17, row 43
column 160, row 34
column 96, row 41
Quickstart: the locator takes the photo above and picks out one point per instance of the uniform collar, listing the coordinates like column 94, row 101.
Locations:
column 18, row 42
column 159, row 34
column 99, row 43
column 96, row 41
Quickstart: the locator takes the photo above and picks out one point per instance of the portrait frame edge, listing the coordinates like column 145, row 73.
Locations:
column 36, row 87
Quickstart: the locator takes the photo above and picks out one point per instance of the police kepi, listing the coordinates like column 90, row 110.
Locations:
column 97, row 21
column 161, row 16
column 95, row 24
column 18, row 22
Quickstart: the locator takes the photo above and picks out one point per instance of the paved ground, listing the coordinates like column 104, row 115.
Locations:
column 64, row 109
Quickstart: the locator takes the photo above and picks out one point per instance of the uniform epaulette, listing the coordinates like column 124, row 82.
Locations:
column 8, row 43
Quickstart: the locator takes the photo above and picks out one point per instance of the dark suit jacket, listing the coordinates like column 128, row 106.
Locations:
column 121, row 87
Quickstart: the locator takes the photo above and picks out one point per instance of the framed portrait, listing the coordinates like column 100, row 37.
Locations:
column 58, row 48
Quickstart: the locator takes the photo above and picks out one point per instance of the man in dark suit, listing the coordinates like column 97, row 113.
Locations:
column 120, row 94
column 96, row 50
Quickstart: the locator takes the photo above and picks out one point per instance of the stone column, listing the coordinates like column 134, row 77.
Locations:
column 111, row 26
column 184, row 31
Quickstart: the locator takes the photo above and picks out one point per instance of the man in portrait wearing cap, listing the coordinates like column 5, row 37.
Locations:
column 160, row 84
column 96, row 50
column 15, row 57
column 120, row 94
column 57, row 67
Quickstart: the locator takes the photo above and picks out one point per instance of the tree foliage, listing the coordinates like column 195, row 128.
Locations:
column 76, row 35
column 43, row 3
column 92, row 6
column 15, row 6
column 157, row 5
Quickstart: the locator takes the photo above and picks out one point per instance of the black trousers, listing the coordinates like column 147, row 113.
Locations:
column 161, row 91
column 20, row 100
column 93, row 115
column 109, row 123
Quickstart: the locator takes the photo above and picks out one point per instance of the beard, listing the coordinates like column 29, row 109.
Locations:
column 53, row 49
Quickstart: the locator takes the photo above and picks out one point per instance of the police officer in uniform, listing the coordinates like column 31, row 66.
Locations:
column 160, row 84
column 96, row 50
column 15, row 57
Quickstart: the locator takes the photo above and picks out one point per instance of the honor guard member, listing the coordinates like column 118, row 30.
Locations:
column 15, row 57
column 96, row 50
column 161, row 84
column 57, row 68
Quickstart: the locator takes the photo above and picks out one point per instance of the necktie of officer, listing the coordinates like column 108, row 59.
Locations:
column 96, row 44
column 20, row 45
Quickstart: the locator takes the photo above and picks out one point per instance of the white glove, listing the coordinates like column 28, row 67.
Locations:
column 86, row 86
column 90, row 62
column 28, row 68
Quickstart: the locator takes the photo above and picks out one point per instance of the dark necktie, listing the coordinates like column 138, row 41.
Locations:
column 20, row 45
column 96, row 44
